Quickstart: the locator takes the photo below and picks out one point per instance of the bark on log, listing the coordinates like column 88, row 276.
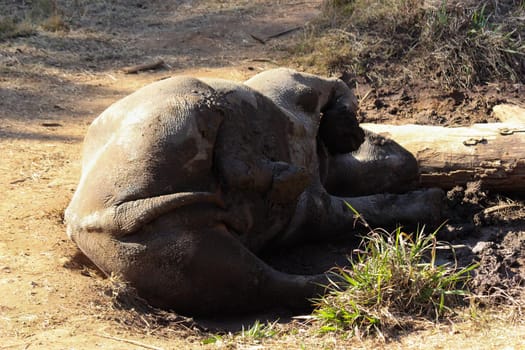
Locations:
column 491, row 153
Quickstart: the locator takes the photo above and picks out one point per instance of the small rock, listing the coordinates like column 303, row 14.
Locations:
column 480, row 246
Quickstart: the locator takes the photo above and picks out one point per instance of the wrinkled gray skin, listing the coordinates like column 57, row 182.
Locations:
column 185, row 180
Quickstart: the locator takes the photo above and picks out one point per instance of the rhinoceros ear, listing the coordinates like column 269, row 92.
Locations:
column 339, row 130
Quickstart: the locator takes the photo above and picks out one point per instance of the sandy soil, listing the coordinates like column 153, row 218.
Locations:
column 53, row 84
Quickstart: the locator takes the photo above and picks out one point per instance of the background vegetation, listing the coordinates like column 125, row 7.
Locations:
column 452, row 42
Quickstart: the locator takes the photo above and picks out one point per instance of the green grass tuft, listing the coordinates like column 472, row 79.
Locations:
column 392, row 278
column 255, row 334
column 259, row 331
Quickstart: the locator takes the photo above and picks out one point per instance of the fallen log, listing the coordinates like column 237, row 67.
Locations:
column 492, row 153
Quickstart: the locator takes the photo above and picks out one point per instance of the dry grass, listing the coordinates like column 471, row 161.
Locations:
column 454, row 43
column 44, row 14
column 11, row 28
column 120, row 301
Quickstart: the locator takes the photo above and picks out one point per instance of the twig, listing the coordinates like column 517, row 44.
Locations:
column 365, row 96
column 261, row 40
column 111, row 77
column 146, row 66
column 266, row 60
column 129, row 341
column 500, row 207
column 284, row 32
column 19, row 181
column 276, row 35
column 51, row 124
column 145, row 322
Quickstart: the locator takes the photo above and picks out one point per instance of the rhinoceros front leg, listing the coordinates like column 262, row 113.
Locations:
column 320, row 216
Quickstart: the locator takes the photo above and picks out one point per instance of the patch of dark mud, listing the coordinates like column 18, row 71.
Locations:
column 469, row 208
column 462, row 204
column 313, row 258
column 426, row 103
column 500, row 253
column 488, row 230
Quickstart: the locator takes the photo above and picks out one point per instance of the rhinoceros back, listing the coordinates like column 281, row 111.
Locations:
column 156, row 141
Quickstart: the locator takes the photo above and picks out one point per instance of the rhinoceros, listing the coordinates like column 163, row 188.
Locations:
column 184, row 181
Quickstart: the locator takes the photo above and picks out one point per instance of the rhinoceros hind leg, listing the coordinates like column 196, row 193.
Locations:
column 199, row 272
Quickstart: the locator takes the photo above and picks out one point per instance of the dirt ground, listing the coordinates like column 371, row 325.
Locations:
column 53, row 84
